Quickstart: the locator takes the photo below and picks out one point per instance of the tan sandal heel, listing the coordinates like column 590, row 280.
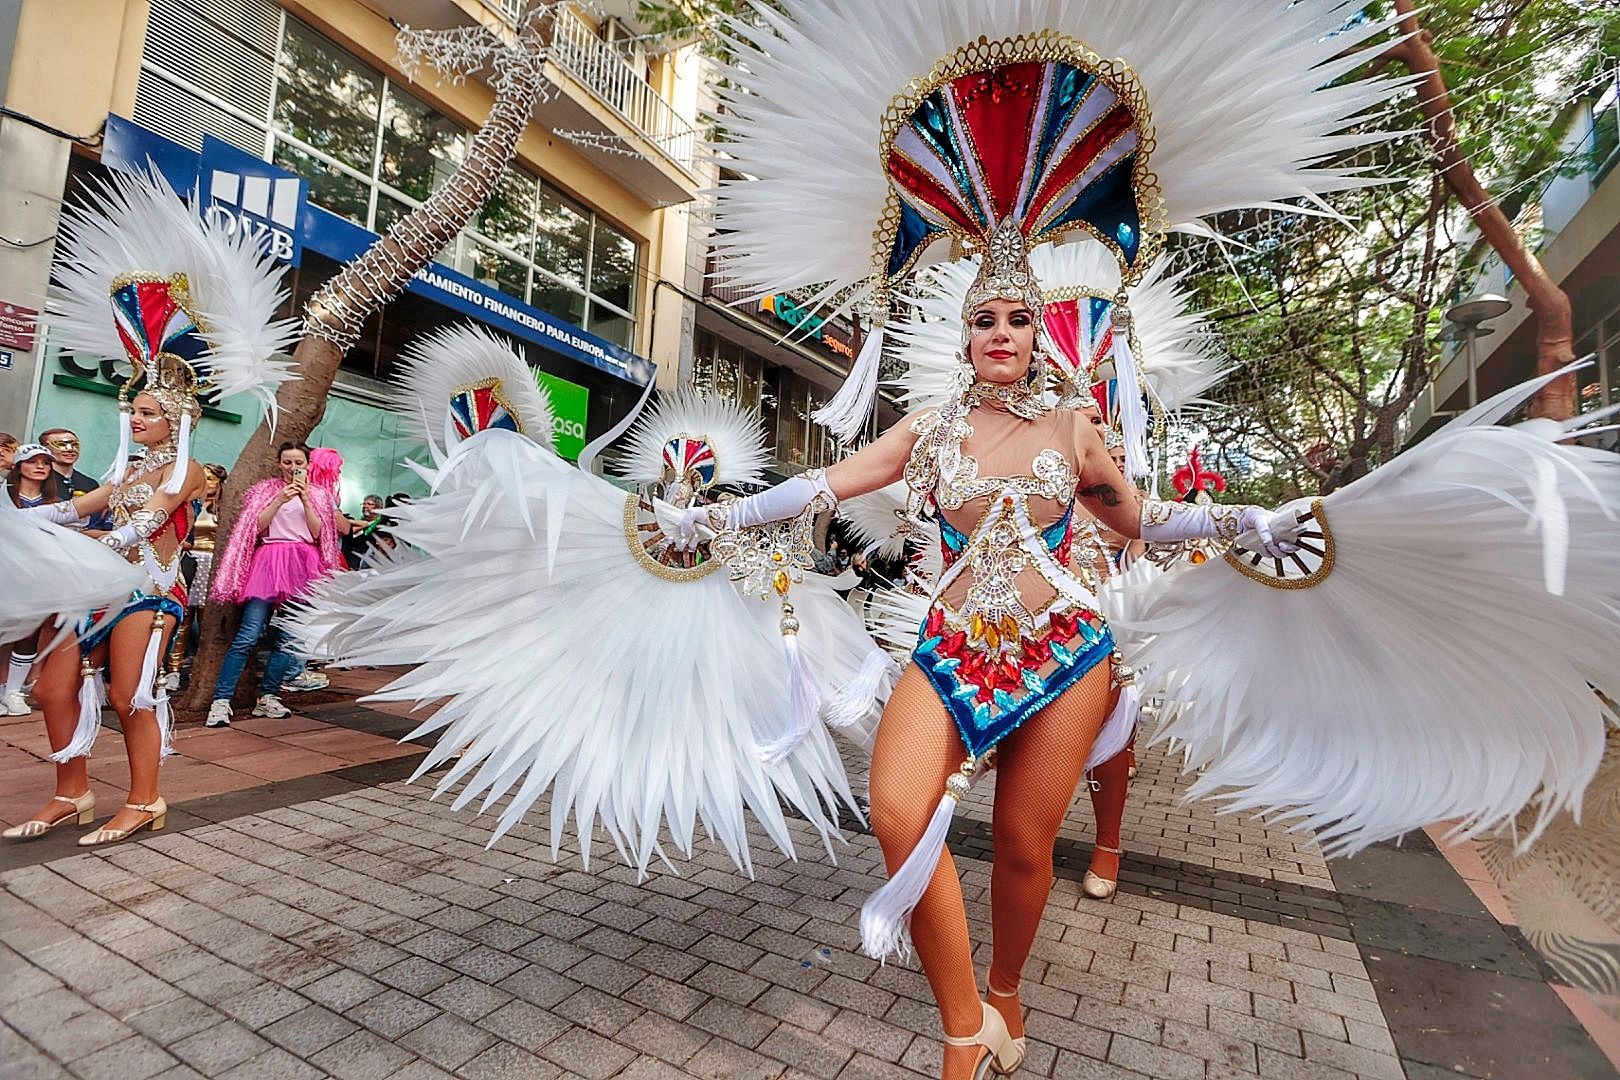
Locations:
column 1003, row 1057
column 1020, row 1042
column 160, row 816
column 84, row 805
column 1096, row 886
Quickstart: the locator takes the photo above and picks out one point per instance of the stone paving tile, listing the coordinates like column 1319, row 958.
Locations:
column 369, row 933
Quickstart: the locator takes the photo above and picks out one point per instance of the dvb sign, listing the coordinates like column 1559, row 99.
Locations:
column 242, row 194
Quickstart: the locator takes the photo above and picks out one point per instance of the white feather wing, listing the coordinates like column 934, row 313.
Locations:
column 1435, row 673
column 566, row 669
column 51, row 572
column 736, row 435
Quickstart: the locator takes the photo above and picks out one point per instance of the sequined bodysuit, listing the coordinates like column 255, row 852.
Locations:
column 1010, row 626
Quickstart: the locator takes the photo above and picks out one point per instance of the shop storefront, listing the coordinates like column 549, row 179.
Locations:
column 592, row 381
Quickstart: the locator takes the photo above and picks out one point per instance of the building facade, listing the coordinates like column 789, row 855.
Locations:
column 1571, row 219
column 295, row 119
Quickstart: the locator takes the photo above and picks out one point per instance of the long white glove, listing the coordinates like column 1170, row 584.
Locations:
column 57, row 513
column 786, row 500
column 1168, row 522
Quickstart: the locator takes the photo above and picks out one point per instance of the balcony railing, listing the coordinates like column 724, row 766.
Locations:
column 577, row 50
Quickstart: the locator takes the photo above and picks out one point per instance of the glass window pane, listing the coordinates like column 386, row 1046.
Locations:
column 507, row 216
column 326, row 98
column 609, row 324
column 555, row 298
column 420, row 148
column 562, row 237
column 492, row 268
column 329, row 187
column 613, row 267
column 390, row 210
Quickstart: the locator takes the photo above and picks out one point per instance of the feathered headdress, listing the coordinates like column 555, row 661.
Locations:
column 696, row 440
column 192, row 305
column 1000, row 125
column 460, row 380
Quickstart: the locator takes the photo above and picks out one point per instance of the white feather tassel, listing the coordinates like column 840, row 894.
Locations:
column 1116, row 732
column 804, row 700
column 165, row 723
column 856, row 699
column 115, row 471
column 1132, row 413
column 92, row 696
column 145, row 696
column 846, row 414
column 886, row 915
column 182, row 458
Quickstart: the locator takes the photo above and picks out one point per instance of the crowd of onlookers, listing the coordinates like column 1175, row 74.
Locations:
column 289, row 532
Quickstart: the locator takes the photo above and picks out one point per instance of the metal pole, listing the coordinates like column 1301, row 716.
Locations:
column 1473, row 372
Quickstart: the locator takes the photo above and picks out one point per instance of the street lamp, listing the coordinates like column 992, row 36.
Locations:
column 1464, row 321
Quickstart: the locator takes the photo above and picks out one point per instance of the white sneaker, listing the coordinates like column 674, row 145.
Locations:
column 270, row 706
column 15, row 704
column 219, row 714
column 309, row 680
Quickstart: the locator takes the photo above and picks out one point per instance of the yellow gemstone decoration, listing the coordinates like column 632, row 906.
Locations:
column 780, row 580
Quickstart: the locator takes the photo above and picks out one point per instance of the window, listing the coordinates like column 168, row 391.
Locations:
column 784, row 398
column 373, row 152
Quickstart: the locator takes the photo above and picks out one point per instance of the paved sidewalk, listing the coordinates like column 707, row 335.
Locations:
column 364, row 931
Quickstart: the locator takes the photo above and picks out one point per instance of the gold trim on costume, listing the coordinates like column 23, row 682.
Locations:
column 632, row 540
column 1279, row 578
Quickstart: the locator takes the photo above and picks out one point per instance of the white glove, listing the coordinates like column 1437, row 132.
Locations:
column 57, row 513
column 121, row 538
column 1170, row 522
column 786, row 500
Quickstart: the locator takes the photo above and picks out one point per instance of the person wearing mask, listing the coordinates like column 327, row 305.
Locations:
column 64, row 446
column 285, row 538
column 30, row 482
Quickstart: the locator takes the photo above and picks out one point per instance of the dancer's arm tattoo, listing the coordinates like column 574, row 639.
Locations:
column 1103, row 493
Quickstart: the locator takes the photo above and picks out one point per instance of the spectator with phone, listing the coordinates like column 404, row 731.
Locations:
column 285, row 538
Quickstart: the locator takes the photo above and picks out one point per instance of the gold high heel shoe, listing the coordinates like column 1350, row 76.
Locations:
column 34, row 828
column 1020, row 1042
column 1003, row 1057
column 159, row 811
column 1099, row 888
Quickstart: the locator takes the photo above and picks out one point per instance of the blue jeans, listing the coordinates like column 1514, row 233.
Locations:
column 256, row 616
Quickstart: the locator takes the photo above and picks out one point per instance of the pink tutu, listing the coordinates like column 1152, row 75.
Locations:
column 282, row 569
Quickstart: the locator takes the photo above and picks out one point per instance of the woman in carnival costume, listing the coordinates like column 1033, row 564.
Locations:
column 1011, row 134
column 188, row 307
column 1178, row 363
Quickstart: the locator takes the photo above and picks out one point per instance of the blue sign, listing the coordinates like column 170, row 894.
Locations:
column 129, row 147
column 242, row 193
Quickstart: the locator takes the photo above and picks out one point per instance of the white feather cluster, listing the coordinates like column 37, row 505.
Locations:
column 130, row 224
column 1242, row 93
column 1181, row 358
column 434, row 366
column 736, row 435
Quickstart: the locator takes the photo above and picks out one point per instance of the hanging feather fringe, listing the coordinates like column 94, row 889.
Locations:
column 870, row 687
column 165, row 723
column 846, row 414
column 145, row 696
column 1132, row 414
column 92, row 696
column 115, row 471
column 1115, row 734
column 182, row 459
column 804, row 700
column 886, row 915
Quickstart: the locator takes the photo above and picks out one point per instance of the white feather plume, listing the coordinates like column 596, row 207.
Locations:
column 877, row 517
column 736, row 435
column 1180, row 359
column 137, row 223
column 1437, row 673
column 433, row 367
column 1245, row 97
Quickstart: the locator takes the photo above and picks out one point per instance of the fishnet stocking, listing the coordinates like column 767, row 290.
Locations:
column 1112, row 778
column 1038, row 768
